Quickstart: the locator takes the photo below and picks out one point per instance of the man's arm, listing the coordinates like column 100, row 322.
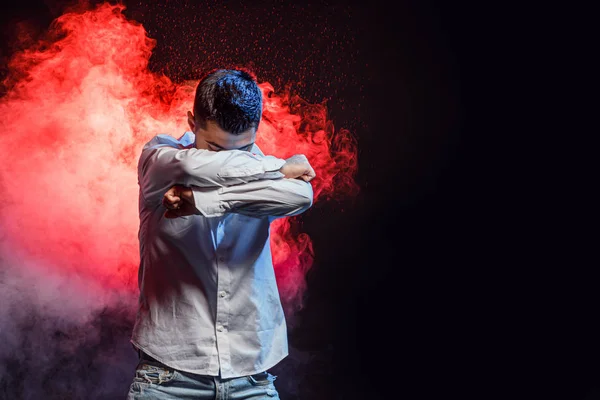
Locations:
column 274, row 198
column 163, row 167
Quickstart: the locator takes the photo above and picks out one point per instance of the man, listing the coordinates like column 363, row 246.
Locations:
column 210, row 322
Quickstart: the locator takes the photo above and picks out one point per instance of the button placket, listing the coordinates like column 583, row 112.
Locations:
column 223, row 283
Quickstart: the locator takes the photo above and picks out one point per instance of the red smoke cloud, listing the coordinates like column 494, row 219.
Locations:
column 79, row 107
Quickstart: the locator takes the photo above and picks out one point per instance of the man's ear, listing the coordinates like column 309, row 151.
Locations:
column 191, row 121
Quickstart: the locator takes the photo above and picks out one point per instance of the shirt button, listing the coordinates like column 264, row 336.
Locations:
column 222, row 293
column 220, row 328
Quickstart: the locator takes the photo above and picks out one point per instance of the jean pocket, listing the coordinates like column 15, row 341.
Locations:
column 154, row 374
column 261, row 379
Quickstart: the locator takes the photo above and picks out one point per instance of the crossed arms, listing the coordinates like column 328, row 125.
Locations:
column 194, row 181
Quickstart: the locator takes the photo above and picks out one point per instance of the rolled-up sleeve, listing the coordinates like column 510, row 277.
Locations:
column 162, row 167
column 273, row 198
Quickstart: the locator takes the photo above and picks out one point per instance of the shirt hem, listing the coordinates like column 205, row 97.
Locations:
column 265, row 368
column 197, row 372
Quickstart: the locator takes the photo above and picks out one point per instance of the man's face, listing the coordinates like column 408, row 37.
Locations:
column 213, row 138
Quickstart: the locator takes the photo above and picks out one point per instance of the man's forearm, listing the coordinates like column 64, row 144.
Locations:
column 275, row 198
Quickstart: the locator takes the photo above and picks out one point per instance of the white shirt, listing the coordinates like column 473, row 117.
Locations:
column 209, row 301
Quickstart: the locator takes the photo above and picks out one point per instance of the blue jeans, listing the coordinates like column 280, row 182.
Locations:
column 155, row 381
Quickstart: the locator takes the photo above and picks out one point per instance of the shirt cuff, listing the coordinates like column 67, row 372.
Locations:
column 272, row 163
column 207, row 201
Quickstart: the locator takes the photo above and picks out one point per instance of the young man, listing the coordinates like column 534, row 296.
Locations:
column 210, row 322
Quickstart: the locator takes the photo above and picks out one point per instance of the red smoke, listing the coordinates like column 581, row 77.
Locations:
column 78, row 109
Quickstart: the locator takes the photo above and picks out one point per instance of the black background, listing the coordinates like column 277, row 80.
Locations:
column 453, row 273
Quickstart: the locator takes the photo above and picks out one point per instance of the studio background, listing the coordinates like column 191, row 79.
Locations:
column 421, row 283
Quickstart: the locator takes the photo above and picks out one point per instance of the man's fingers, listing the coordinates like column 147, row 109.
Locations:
column 309, row 174
column 172, row 197
column 171, row 204
column 172, row 201
column 173, row 191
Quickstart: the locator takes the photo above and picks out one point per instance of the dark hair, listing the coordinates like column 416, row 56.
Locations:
column 231, row 98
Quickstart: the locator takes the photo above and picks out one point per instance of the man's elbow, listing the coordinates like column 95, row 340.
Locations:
column 303, row 199
column 307, row 199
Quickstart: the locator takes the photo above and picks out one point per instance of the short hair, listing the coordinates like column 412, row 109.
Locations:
column 229, row 97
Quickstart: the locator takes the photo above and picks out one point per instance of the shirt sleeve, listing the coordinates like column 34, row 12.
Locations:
column 273, row 198
column 162, row 167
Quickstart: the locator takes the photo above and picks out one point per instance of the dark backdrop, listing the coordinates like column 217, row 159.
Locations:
column 443, row 278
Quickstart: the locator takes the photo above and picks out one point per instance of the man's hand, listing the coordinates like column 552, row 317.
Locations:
column 179, row 202
column 297, row 166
